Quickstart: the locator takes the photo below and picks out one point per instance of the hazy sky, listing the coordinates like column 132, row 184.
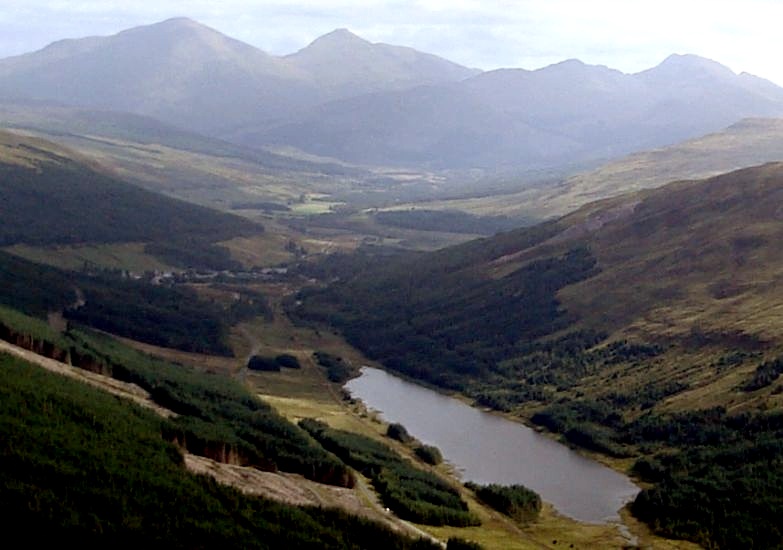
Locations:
column 629, row 35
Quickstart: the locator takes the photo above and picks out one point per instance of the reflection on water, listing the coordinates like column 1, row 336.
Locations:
column 487, row 448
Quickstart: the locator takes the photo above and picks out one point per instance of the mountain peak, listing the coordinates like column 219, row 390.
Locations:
column 178, row 22
column 173, row 26
column 339, row 38
column 573, row 62
column 567, row 66
column 343, row 34
column 690, row 62
column 576, row 66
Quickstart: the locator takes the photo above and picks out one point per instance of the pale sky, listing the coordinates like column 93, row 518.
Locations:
column 629, row 35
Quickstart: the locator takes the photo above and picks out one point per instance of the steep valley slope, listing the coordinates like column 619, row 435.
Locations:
column 691, row 258
column 645, row 327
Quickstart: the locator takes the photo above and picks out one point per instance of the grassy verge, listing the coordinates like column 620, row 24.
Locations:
column 125, row 256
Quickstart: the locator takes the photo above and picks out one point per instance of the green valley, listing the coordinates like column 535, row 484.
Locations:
column 211, row 254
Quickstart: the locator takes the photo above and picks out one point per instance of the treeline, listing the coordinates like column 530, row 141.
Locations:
column 65, row 202
column 273, row 364
column 447, row 221
column 86, row 469
column 413, row 494
column 590, row 424
column 217, row 417
column 447, row 328
column 515, row 501
column 429, row 454
column 338, row 370
column 216, row 412
column 246, row 304
column 765, row 375
column 193, row 253
column 397, row 431
column 163, row 316
column 33, row 288
column 426, row 453
column 724, row 488
column 717, row 478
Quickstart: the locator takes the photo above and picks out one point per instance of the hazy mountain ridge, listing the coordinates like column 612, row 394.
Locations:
column 63, row 120
column 346, row 98
column 565, row 113
column 370, row 67
column 176, row 71
column 190, row 75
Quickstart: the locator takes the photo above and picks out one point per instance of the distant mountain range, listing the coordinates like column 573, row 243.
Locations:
column 190, row 75
column 561, row 114
column 365, row 103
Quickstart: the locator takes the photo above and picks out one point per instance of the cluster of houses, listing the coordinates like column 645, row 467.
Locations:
column 202, row 275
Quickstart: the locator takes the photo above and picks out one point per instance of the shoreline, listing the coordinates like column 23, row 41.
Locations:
column 626, row 487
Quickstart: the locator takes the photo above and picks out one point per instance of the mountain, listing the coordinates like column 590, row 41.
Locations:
column 178, row 71
column 565, row 114
column 190, row 75
column 345, row 98
column 702, row 95
column 64, row 121
column 344, row 64
column 434, row 127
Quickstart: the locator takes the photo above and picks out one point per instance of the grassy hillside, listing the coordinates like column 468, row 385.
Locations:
column 50, row 196
column 690, row 257
column 646, row 325
column 167, row 159
column 747, row 143
column 114, row 126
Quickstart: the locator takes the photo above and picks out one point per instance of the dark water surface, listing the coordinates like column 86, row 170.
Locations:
column 487, row 448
